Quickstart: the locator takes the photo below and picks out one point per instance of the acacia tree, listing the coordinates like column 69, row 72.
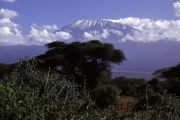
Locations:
column 82, row 59
column 172, row 78
column 168, row 73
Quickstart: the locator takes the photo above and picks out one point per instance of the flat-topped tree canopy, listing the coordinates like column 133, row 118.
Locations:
column 82, row 58
column 170, row 72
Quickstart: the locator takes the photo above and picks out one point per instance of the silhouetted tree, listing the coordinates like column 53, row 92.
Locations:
column 172, row 78
column 87, row 59
column 167, row 73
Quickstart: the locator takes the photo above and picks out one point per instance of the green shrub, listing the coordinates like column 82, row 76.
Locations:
column 27, row 94
column 157, row 107
column 105, row 95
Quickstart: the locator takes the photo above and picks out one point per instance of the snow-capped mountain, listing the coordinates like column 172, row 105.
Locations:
column 97, row 29
column 98, row 25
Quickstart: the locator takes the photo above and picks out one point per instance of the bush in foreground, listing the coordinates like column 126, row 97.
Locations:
column 26, row 94
column 157, row 107
column 105, row 95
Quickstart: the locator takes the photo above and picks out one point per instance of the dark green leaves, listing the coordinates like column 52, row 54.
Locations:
column 87, row 58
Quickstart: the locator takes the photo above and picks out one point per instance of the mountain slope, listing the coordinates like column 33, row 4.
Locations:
column 97, row 29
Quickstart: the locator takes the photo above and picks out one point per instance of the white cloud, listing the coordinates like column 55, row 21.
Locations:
column 7, row 22
column 92, row 35
column 151, row 30
column 8, row 13
column 176, row 6
column 96, row 35
column 47, row 27
column 94, row 32
column 5, row 31
column 41, row 35
column 7, row 27
column 119, row 33
column 63, row 35
column 87, row 35
column 10, row 33
column 9, row 1
column 10, row 40
column 105, row 34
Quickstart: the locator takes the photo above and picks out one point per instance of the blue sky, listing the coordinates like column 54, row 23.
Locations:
column 26, row 19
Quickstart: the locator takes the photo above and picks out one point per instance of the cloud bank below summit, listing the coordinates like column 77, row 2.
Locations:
column 150, row 30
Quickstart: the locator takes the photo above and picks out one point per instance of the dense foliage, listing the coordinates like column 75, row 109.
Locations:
column 130, row 86
column 80, row 59
column 105, row 95
column 5, row 69
column 25, row 94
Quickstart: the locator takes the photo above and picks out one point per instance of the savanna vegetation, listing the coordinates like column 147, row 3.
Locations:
column 72, row 81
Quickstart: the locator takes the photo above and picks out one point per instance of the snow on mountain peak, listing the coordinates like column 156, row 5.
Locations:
column 97, row 29
column 89, row 23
